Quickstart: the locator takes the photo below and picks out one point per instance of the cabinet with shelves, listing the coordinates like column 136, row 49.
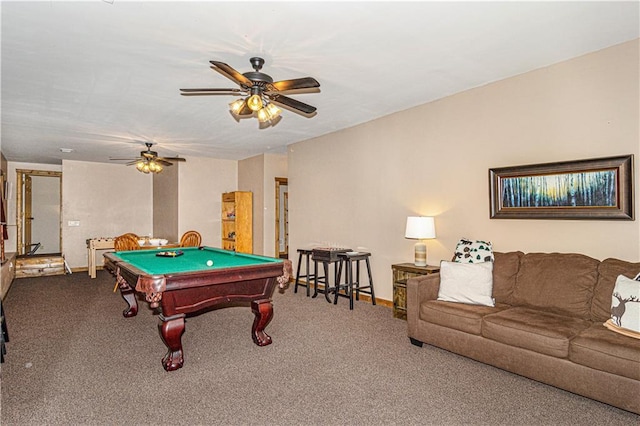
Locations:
column 401, row 273
column 237, row 221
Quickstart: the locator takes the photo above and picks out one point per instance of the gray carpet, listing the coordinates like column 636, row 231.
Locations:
column 74, row 359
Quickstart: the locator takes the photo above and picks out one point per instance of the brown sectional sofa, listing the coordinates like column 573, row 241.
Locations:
column 547, row 324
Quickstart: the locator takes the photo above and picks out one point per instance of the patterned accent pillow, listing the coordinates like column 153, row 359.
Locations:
column 625, row 307
column 468, row 251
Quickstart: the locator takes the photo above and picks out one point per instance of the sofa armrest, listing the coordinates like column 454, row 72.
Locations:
column 419, row 289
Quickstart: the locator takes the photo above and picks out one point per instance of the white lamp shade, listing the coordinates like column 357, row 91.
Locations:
column 420, row 227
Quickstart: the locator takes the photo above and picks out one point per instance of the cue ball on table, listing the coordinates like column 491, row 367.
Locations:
column 209, row 262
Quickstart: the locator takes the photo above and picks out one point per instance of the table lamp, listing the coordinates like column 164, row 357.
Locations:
column 420, row 228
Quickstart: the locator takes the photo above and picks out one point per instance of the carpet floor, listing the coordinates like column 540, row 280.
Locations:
column 73, row 359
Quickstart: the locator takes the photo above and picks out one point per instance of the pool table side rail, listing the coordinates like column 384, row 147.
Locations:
column 153, row 285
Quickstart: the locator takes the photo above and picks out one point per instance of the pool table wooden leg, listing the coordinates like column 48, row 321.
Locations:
column 171, row 329
column 129, row 296
column 263, row 310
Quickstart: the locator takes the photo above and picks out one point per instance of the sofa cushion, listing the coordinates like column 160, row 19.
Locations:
column 466, row 283
column 539, row 331
column 562, row 283
column 602, row 349
column 608, row 272
column 505, row 269
column 459, row 316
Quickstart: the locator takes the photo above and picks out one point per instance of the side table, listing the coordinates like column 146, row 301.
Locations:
column 401, row 273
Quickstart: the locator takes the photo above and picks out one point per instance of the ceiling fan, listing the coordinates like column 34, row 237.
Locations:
column 261, row 91
column 148, row 161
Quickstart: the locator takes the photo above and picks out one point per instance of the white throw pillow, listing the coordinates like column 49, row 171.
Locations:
column 466, row 283
column 625, row 304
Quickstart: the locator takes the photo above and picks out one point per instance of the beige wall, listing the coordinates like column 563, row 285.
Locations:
column 274, row 166
column 356, row 187
column 251, row 178
column 107, row 199
column 110, row 199
column 165, row 203
column 202, row 181
column 257, row 174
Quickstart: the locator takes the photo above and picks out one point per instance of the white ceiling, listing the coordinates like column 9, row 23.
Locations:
column 103, row 77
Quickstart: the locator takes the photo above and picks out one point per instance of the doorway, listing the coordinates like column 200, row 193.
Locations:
column 282, row 218
column 38, row 212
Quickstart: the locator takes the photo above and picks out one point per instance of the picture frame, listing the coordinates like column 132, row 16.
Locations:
column 596, row 189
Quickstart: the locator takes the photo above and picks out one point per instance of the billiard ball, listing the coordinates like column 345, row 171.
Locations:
column 209, row 262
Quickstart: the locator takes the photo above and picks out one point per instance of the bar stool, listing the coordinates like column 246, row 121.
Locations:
column 326, row 256
column 324, row 279
column 349, row 259
column 306, row 253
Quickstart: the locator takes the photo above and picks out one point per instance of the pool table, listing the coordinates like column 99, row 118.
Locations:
column 199, row 279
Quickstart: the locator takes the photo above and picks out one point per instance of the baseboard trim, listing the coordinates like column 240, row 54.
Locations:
column 363, row 297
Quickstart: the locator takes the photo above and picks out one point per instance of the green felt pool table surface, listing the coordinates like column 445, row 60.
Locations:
column 193, row 259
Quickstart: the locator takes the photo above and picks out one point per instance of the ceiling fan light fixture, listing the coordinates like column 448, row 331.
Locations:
column 264, row 115
column 154, row 167
column 237, row 106
column 273, row 110
column 268, row 112
column 149, row 161
column 261, row 90
column 254, row 102
column 148, row 166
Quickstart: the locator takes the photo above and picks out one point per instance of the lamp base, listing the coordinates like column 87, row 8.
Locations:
column 420, row 254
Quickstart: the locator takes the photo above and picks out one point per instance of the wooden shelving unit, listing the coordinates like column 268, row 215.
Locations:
column 237, row 221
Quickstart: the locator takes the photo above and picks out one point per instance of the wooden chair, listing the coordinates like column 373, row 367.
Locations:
column 126, row 242
column 190, row 239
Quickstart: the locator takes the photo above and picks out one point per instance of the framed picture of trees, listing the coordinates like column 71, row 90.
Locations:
column 600, row 188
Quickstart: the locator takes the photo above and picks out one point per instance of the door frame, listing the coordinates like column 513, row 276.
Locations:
column 21, row 175
column 281, row 181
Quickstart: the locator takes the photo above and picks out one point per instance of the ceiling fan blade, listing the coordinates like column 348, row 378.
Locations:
column 231, row 73
column 211, row 90
column 292, row 103
column 206, row 92
column 296, row 83
column 123, row 159
column 163, row 162
column 171, row 159
column 131, row 163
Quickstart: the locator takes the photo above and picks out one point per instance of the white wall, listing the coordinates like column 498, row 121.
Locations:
column 107, row 199
column 201, row 183
column 434, row 159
